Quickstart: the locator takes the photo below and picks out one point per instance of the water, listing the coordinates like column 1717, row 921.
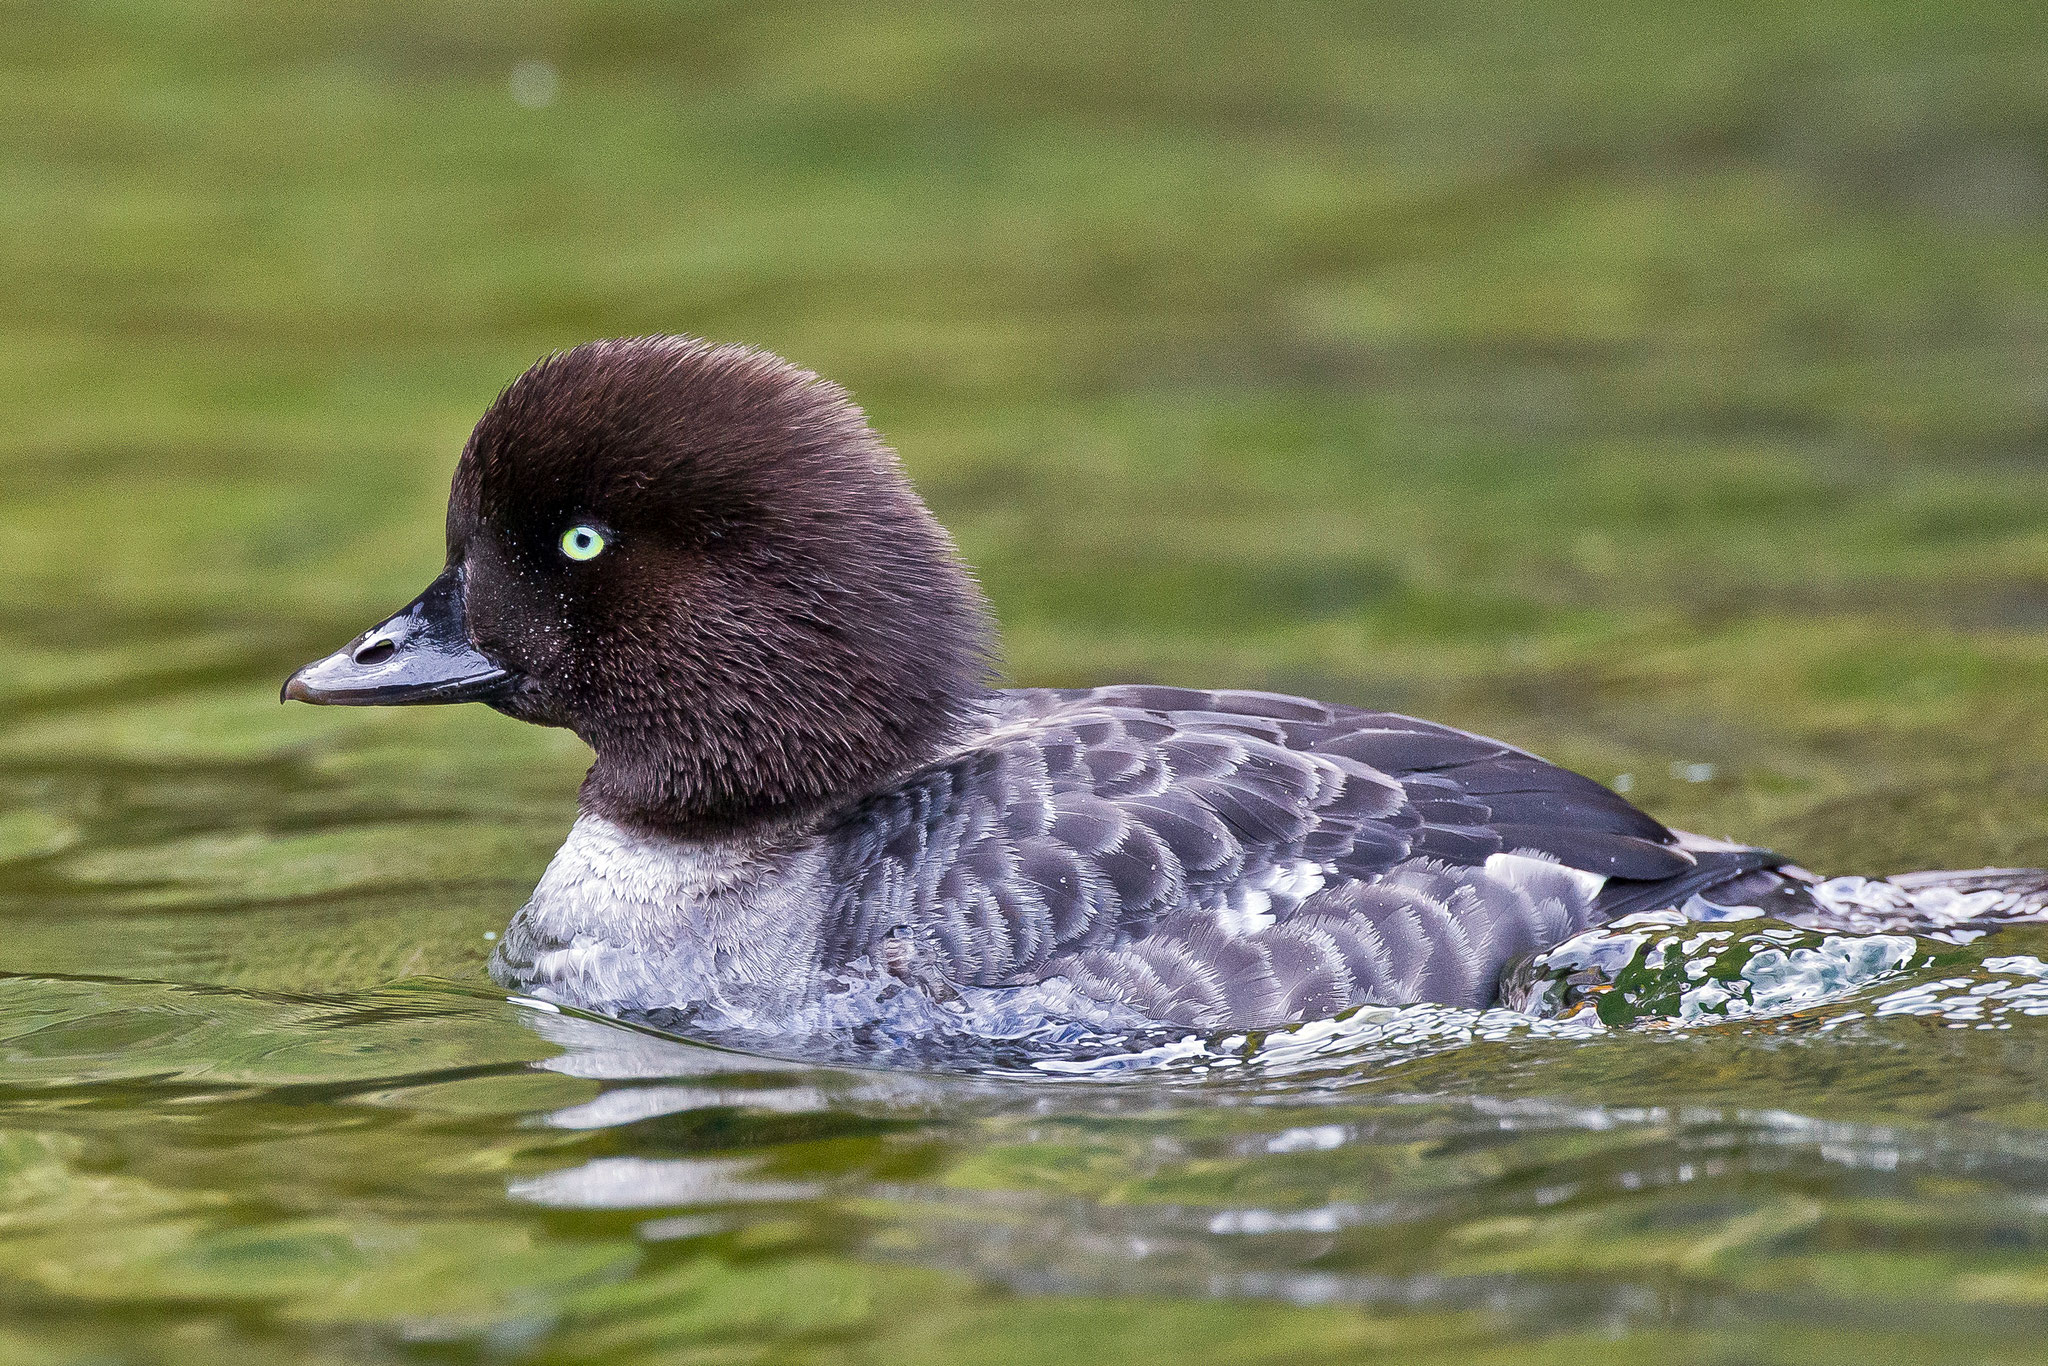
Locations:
column 1657, row 389
column 205, row 1157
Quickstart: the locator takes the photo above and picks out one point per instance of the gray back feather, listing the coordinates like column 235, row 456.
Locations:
column 1234, row 859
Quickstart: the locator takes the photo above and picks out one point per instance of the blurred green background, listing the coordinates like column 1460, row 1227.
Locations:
column 1650, row 384
column 1661, row 386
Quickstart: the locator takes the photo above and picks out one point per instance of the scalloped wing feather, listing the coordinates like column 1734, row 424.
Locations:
column 1231, row 859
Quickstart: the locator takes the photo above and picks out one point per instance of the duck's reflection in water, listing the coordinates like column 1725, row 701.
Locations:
column 1226, row 1187
column 659, row 1078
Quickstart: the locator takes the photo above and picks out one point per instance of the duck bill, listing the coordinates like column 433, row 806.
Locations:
column 419, row 656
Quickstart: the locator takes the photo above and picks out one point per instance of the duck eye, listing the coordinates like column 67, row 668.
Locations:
column 582, row 542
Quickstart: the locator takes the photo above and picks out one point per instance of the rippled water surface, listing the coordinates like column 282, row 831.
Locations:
column 199, row 1163
column 1659, row 388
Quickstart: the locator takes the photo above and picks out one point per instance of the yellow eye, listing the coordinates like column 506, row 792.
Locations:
column 582, row 542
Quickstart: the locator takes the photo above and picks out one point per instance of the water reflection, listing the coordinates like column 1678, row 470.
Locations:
column 1325, row 1184
column 430, row 1163
column 649, row 1183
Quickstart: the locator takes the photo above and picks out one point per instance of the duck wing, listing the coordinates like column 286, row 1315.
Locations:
column 1232, row 859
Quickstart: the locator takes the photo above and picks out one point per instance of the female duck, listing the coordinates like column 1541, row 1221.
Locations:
column 810, row 811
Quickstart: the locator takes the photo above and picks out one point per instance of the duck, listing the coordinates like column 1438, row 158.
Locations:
column 811, row 810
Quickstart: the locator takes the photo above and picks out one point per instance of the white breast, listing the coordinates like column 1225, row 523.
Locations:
column 626, row 921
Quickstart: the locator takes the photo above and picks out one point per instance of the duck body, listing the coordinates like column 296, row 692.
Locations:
column 1122, row 858
column 809, row 814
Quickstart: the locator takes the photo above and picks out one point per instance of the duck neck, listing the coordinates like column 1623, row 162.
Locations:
column 738, row 773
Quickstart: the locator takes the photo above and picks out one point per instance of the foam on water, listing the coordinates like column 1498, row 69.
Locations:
column 2015, row 988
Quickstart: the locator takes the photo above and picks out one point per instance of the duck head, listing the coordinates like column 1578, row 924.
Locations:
column 703, row 561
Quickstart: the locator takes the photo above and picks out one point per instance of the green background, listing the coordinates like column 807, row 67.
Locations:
column 1663, row 387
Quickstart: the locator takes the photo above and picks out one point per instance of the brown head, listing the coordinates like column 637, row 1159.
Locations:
column 701, row 560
